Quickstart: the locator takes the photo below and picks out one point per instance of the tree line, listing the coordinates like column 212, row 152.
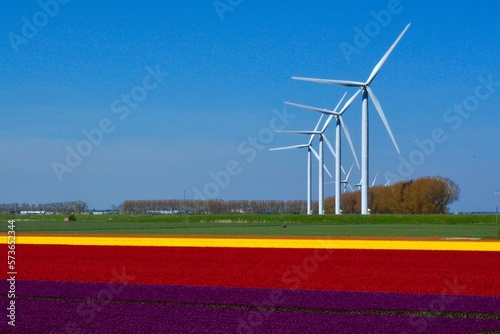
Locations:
column 174, row 206
column 426, row 195
column 59, row 207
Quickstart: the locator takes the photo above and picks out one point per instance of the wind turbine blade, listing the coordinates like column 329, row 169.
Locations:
column 382, row 116
column 327, row 171
column 332, row 82
column 301, row 132
column 350, row 101
column 338, row 104
column 330, row 146
column 377, row 68
column 323, row 111
column 317, row 157
column 346, row 131
column 328, row 120
column 288, row 147
column 316, row 129
column 388, row 181
column 314, row 152
column 319, row 122
column 348, row 174
column 375, row 179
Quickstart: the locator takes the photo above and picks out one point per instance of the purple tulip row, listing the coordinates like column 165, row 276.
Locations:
column 266, row 298
column 65, row 307
column 76, row 316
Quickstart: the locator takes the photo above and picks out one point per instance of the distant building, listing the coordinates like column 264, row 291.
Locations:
column 32, row 212
column 163, row 212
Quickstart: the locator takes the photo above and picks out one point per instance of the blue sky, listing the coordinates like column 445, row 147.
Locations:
column 202, row 123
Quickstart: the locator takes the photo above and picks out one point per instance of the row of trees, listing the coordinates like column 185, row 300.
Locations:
column 59, row 207
column 426, row 195
column 213, row 206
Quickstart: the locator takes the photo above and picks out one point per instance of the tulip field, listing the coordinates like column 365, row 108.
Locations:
column 210, row 284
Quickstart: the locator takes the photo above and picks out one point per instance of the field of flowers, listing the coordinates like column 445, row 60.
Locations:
column 67, row 288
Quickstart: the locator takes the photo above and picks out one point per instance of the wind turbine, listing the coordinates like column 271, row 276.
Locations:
column 346, row 181
column 322, row 138
column 310, row 151
column 360, row 184
column 389, row 180
column 338, row 166
column 364, row 87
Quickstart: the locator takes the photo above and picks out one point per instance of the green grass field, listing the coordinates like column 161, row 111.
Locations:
column 390, row 226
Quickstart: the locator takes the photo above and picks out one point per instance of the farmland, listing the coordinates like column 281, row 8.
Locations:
column 87, row 276
column 390, row 226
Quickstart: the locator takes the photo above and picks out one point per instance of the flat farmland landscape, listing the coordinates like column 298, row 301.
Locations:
column 256, row 274
column 248, row 167
column 376, row 226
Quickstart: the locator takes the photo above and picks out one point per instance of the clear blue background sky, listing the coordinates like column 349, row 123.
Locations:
column 227, row 72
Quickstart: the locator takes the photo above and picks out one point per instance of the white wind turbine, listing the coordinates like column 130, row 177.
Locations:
column 322, row 138
column 388, row 181
column 310, row 151
column 357, row 185
column 360, row 184
column 367, row 91
column 346, row 180
column 338, row 166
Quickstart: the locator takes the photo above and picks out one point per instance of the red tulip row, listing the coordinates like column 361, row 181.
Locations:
column 436, row 272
